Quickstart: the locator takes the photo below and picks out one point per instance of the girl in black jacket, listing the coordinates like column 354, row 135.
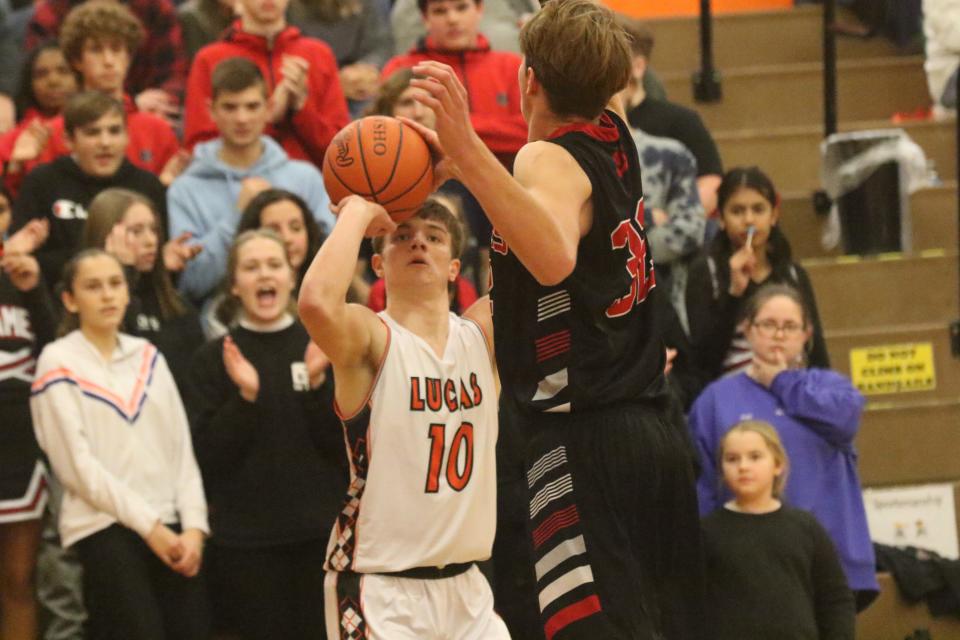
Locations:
column 748, row 252
column 270, row 450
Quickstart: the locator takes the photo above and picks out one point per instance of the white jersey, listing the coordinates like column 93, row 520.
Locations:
column 422, row 458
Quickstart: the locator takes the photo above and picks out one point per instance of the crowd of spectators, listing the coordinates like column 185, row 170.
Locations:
column 184, row 144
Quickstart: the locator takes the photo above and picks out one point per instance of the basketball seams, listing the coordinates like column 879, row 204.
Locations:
column 363, row 161
column 396, row 163
column 414, row 185
column 350, row 179
column 350, row 191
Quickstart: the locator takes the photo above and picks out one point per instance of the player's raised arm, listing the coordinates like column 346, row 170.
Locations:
column 350, row 335
column 540, row 213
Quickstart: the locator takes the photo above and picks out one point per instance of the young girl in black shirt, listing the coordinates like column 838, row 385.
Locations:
column 772, row 571
column 270, row 450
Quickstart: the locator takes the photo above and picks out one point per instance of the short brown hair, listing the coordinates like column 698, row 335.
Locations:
column 579, row 54
column 641, row 37
column 390, row 92
column 89, row 106
column 100, row 20
column 434, row 210
column 234, row 75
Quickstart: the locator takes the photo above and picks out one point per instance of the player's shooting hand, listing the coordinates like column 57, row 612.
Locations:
column 378, row 221
column 443, row 167
column 240, row 370
column 448, row 99
column 177, row 253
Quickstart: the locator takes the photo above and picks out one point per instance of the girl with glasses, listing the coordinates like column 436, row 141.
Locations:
column 815, row 411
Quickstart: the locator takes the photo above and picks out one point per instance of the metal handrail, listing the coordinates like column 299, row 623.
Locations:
column 829, row 68
column 706, row 81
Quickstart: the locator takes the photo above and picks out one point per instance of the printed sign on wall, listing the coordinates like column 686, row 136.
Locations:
column 922, row 516
column 893, row 368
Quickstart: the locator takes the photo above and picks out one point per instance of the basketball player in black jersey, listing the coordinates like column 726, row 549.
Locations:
column 613, row 523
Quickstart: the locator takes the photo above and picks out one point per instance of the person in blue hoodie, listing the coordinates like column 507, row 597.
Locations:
column 226, row 172
column 816, row 413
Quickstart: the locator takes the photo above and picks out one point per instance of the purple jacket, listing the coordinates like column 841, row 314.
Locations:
column 817, row 414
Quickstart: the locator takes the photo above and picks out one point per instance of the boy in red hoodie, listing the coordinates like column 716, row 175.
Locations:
column 98, row 39
column 307, row 106
column 490, row 77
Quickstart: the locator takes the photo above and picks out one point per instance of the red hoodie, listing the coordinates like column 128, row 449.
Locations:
column 304, row 135
column 152, row 143
column 492, row 88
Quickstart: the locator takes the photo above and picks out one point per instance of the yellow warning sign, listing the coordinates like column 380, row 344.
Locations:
column 893, row 368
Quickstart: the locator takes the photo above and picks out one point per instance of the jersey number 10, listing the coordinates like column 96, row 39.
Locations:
column 456, row 478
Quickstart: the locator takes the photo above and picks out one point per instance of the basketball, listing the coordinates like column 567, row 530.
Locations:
column 382, row 160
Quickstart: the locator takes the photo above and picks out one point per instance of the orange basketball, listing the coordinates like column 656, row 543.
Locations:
column 380, row 159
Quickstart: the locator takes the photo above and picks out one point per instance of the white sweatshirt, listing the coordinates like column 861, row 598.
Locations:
column 117, row 436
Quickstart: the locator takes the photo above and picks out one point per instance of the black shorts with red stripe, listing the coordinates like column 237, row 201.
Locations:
column 23, row 477
column 613, row 525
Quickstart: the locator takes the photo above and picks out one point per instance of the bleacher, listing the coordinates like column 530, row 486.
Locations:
column 772, row 116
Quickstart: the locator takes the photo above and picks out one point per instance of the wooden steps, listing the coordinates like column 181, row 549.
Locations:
column 791, row 155
column 909, row 443
column 933, row 215
column 741, row 40
column 792, row 94
column 891, row 617
column 887, row 290
column 771, row 116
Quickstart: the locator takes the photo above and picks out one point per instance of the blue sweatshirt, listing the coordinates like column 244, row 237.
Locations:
column 817, row 414
column 203, row 201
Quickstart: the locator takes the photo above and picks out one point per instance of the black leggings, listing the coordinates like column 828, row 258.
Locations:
column 131, row 595
column 268, row 593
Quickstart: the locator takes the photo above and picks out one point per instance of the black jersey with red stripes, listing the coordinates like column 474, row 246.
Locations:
column 592, row 340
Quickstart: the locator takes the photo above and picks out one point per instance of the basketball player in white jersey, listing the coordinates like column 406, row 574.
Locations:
column 416, row 391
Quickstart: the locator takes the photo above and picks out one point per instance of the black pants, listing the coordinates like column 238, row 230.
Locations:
column 268, row 593
column 514, row 583
column 613, row 525
column 131, row 595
